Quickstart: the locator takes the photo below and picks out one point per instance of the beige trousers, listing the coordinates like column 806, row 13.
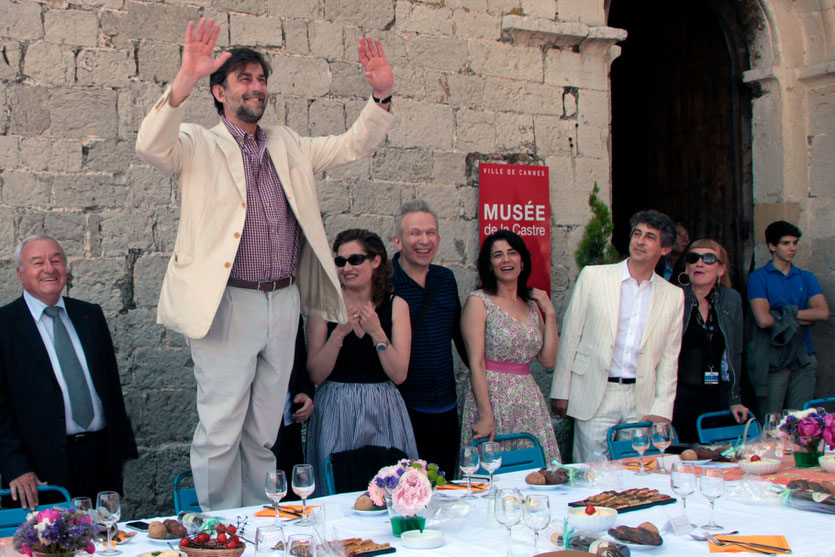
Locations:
column 242, row 367
column 618, row 407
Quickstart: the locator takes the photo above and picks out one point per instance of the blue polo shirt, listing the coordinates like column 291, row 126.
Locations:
column 430, row 384
column 793, row 289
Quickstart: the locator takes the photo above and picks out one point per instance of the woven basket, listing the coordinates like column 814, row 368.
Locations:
column 194, row 552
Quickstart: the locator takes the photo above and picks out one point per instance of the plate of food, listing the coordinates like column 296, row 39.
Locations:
column 364, row 506
column 626, row 501
column 547, row 478
column 644, row 537
column 163, row 553
column 123, row 537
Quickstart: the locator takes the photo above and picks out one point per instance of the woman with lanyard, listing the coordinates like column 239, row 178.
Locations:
column 710, row 362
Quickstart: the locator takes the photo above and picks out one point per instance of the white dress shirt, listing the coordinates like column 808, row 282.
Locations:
column 632, row 318
column 45, row 325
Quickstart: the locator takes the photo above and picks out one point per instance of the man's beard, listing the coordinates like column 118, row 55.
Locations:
column 246, row 114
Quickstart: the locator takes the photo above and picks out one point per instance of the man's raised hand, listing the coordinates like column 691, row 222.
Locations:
column 197, row 61
column 377, row 69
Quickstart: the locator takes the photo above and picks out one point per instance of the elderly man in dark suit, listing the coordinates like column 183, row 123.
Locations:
column 62, row 416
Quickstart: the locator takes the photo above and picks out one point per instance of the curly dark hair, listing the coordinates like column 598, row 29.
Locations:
column 485, row 266
column 658, row 221
column 372, row 245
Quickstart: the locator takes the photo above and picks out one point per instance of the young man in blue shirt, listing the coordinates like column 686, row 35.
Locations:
column 776, row 285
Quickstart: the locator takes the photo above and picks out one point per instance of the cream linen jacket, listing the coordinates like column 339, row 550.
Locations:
column 588, row 341
column 209, row 166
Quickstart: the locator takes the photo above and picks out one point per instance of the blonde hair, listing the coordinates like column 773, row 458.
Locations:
column 707, row 243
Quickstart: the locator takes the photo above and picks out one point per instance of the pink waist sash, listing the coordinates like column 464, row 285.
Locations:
column 507, row 367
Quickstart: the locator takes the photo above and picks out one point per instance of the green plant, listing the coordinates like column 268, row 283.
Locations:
column 595, row 247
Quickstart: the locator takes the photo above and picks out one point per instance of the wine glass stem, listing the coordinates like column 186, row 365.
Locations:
column 277, row 513
column 469, row 485
column 642, row 463
column 109, row 537
column 684, row 504
column 304, row 509
column 493, row 488
column 536, row 542
column 509, row 552
column 712, row 513
column 661, row 459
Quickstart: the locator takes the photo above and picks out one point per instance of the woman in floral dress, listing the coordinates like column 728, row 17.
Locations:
column 503, row 331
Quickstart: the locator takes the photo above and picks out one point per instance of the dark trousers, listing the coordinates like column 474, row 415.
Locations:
column 288, row 453
column 89, row 466
column 438, row 438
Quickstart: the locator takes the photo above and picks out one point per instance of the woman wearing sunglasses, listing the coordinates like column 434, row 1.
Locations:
column 358, row 364
column 710, row 362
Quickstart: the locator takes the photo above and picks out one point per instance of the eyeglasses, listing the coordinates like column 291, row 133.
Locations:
column 354, row 259
column 708, row 258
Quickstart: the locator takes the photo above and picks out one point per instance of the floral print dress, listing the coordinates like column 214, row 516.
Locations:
column 517, row 402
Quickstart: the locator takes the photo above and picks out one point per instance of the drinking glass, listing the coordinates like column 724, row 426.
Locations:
column 300, row 544
column 640, row 442
column 536, row 513
column 108, row 509
column 508, row 511
column 83, row 504
column 304, row 484
column 269, row 540
column 711, row 484
column 771, row 427
column 491, row 460
column 468, row 464
column 662, row 436
column 275, row 487
column 683, row 481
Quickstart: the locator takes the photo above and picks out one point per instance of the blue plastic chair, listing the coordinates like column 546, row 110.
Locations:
column 827, row 404
column 185, row 498
column 11, row 519
column 725, row 433
column 622, row 448
column 519, row 459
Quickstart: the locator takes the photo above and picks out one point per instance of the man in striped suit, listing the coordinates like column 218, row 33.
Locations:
column 618, row 358
column 432, row 295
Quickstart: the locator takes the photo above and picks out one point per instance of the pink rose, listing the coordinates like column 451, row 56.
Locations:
column 49, row 515
column 829, row 430
column 808, row 428
column 412, row 493
column 90, row 548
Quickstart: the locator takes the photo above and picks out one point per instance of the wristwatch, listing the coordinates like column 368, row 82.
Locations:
column 381, row 346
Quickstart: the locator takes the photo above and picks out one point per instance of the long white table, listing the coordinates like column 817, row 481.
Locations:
column 807, row 532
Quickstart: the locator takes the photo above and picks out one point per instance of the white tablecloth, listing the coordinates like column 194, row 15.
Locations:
column 807, row 532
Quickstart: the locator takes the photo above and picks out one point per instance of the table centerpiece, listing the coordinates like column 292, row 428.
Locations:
column 405, row 489
column 55, row 532
column 808, row 430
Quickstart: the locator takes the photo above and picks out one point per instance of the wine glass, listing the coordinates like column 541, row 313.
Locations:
column 108, row 509
column 469, row 464
column 303, row 485
column 508, row 511
column 662, row 436
column 536, row 512
column 83, row 504
column 640, row 442
column 269, row 540
column 491, row 460
column 275, row 487
column 683, row 481
column 711, row 484
column 300, row 544
column 771, row 427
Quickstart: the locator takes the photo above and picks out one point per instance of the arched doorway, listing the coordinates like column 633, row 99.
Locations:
column 681, row 125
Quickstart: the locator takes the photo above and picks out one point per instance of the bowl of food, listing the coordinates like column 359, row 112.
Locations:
column 591, row 518
column 827, row 462
column 757, row 466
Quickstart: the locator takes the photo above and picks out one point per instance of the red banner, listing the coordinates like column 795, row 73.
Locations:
column 516, row 197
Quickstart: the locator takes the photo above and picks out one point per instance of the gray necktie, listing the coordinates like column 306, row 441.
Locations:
column 79, row 393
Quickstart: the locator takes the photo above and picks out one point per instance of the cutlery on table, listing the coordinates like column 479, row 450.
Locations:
column 751, row 546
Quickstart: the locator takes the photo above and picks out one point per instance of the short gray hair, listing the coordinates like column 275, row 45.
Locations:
column 413, row 206
column 18, row 252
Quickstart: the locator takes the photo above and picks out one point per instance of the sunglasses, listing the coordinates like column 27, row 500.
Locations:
column 709, row 258
column 354, row 259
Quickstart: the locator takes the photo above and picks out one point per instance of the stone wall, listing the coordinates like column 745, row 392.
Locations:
column 497, row 78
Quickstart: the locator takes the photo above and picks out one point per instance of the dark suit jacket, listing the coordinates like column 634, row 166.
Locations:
column 33, row 434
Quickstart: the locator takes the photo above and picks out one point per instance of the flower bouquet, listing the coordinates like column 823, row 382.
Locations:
column 55, row 532
column 808, row 430
column 406, row 489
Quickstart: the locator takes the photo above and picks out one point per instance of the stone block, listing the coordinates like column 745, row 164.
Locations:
column 149, row 187
column 348, row 80
column 26, row 189
column 410, row 83
column 326, row 40
column 403, row 165
column 156, row 369
column 471, row 5
column 136, row 327
column 134, row 103
column 20, row 20
column 107, row 4
column 70, row 110
column 148, row 272
column 158, row 61
column 593, row 107
column 518, row 96
column 300, row 9
column 9, row 156
column 426, row 19
column 105, row 67
column 439, row 53
column 815, row 38
column 444, row 200
column 475, row 130
column 502, row 7
column 352, row 172
column 167, row 416
column 200, row 109
column 333, row 196
column 582, row 11
column 377, row 198
column 125, row 230
column 255, row 31
column 464, row 90
column 449, row 168
column 823, row 262
column 7, row 238
column 10, row 71
column 564, row 67
column 822, row 163
column 166, row 220
column 469, row 24
column 155, row 21
column 336, row 223
column 251, row 7
column 514, row 132
column 69, row 228
column 538, row 8
column 821, row 105
column 370, row 14
column 10, row 287
column 295, row 36
column 296, row 115
column 26, row 104
column 504, row 60
column 49, row 64
column 423, row 125
column 99, row 281
column 301, row 76
column 40, row 153
column 819, row 218
column 554, row 136
column 89, row 190
column 72, row 27
column 469, row 200
column 327, row 117
column 109, row 155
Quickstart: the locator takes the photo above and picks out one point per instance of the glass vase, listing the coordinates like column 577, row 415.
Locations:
column 400, row 523
column 807, row 456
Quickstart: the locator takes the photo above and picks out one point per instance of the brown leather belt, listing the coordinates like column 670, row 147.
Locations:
column 262, row 285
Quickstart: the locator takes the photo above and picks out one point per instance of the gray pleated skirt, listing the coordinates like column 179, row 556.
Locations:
column 349, row 416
